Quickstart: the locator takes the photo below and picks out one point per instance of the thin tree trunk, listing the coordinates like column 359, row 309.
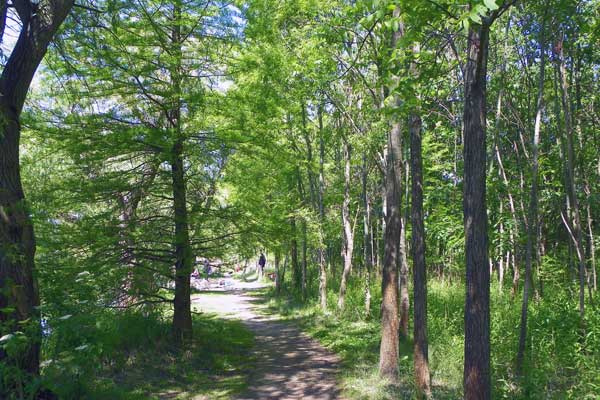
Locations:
column 403, row 276
column 574, row 217
column 322, row 261
column 577, row 117
column 367, row 240
column 277, row 271
column 512, row 260
column 296, row 273
column 283, row 270
column 403, row 282
column 381, row 247
column 348, row 246
column 421, row 349
column 590, row 223
column 501, row 265
column 532, row 236
column 304, row 258
column 541, row 251
column 514, row 230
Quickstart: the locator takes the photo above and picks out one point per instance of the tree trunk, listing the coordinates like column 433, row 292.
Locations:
column 296, row 272
column 182, row 315
column 367, row 240
column 182, row 312
column 390, row 324
column 18, row 284
column 277, row 271
column 304, row 258
column 511, row 259
column 590, row 223
column 477, row 379
column 322, row 261
column 403, row 282
column 532, row 234
column 389, row 349
column 282, row 279
column 421, row 349
column 514, row 229
column 574, row 222
column 501, row 264
column 348, row 246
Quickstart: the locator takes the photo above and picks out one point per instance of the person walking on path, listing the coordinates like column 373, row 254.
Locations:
column 262, row 260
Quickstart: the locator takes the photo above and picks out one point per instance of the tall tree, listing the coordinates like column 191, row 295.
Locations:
column 322, row 250
column 182, row 312
column 573, row 222
column 421, row 347
column 19, row 298
column 348, row 245
column 390, row 324
column 532, row 234
column 477, row 373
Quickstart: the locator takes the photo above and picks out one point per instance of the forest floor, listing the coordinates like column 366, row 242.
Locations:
column 289, row 364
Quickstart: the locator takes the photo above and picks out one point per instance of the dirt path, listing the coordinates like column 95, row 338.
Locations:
column 290, row 365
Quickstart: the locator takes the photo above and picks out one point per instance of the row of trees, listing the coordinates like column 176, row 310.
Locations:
column 338, row 135
column 345, row 95
column 121, row 166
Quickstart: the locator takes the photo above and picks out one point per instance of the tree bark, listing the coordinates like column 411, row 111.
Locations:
column 590, row 222
column 390, row 324
column 182, row 312
column 277, row 271
column 403, row 277
column 19, row 296
column 367, row 240
column 477, row 379
column 348, row 246
column 296, row 273
column 182, row 316
column 322, row 250
column 304, row 259
column 421, row 349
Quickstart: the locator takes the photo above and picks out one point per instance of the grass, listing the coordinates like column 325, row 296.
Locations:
column 214, row 365
column 356, row 341
column 556, row 369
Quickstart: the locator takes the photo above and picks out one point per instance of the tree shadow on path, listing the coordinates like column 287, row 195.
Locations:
column 289, row 364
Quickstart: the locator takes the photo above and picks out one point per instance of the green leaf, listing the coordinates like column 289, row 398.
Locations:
column 475, row 17
column 491, row 4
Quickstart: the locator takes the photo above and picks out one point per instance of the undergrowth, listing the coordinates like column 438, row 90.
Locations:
column 560, row 365
column 131, row 356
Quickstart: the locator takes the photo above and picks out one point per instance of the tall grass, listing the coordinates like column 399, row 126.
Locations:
column 561, row 363
column 130, row 356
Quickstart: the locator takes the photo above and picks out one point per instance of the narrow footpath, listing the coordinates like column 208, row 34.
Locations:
column 289, row 364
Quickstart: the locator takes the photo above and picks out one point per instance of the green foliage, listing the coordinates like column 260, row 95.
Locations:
column 560, row 365
column 266, row 94
column 129, row 356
